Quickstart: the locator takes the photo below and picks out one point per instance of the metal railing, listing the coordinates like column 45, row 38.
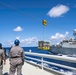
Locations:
column 29, row 55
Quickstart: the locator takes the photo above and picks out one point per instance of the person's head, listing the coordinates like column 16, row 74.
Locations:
column 16, row 42
column 0, row 46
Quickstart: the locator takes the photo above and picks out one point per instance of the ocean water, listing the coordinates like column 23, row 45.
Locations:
column 36, row 50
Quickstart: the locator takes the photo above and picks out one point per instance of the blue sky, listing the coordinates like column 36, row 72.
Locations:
column 22, row 19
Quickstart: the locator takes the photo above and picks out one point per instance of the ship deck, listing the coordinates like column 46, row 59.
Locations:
column 32, row 68
column 27, row 69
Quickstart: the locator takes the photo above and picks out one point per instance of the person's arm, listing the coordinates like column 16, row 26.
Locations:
column 4, row 58
column 4, row 62
column 22, row 55
column 10, row 55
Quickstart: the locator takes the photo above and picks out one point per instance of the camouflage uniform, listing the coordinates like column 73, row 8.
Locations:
column 2, row 57
column 16, row 60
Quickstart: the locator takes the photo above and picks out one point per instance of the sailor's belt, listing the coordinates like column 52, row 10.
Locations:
column 16, row 57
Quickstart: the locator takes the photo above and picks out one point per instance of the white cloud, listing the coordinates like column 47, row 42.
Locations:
column 18, row 37
column 59, row 37
column 33, row 41
column 58, row 10
column 9, row 43
column 18, row 29
column 29, row 40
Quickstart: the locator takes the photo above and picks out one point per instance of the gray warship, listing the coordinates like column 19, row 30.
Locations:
column 65, row 47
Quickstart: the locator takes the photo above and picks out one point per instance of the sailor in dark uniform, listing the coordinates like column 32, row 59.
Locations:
column 16, row 58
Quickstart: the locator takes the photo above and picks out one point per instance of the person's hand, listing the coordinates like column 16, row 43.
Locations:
column 22, row 63
column 4, row 62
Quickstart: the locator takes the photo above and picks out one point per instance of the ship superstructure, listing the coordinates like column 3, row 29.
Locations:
column 67, row 47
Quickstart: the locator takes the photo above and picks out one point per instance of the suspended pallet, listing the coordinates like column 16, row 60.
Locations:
column 42, row 45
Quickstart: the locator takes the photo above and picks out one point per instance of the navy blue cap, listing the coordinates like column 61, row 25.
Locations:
column 16, row 42
column 0, row 45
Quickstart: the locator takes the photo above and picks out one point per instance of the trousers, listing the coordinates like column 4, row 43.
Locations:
column 1, row 69
column 15, row 67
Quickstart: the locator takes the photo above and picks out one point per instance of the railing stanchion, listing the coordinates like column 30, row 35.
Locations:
column 55, row 57
column 42, row 63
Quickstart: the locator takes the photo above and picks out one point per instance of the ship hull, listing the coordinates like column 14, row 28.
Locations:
column 62, row 50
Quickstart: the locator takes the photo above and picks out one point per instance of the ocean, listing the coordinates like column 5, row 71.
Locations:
column 36, row 50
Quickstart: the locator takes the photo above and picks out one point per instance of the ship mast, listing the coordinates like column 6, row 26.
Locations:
column 74, row 33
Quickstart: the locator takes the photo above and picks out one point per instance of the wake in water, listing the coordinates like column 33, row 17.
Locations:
column 61, row 70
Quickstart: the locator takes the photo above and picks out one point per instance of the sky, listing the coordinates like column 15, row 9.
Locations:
column 22, row 19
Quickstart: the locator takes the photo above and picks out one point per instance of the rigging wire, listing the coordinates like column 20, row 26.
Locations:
column 34, row 18
column 21, row 12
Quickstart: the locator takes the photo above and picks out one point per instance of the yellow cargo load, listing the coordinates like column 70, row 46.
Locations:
column 43, row 45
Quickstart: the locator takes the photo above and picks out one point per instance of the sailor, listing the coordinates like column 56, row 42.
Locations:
column 2, row 59
column 16, row 58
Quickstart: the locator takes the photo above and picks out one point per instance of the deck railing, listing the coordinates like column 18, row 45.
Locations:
column 29, row 55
